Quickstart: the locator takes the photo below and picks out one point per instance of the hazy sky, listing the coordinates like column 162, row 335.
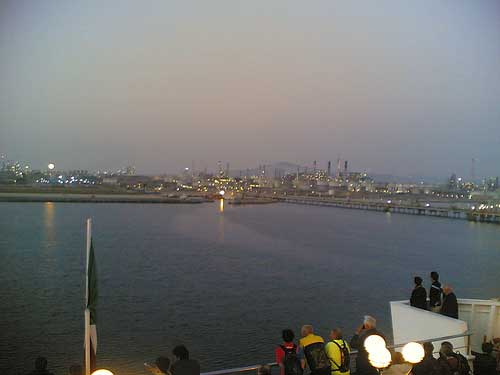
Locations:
column 401, row 87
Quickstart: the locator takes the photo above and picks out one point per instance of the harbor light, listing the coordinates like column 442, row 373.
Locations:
column 222, row 192
column 51, row 166
column 374, row 343
column 380, row 358
column 413, row 352
column 102, row 372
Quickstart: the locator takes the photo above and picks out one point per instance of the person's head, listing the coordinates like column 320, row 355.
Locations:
column 336, row 334
column 446, row 348
column 447, row 289
column 41, row 363
column 264, row 370
column 397, row 358
column 418, row 280
column 163, row 364
column 181, row 352
column 434, row 276
column 487, row 347
column 76, row 370
column 287, row 335
column 369, row 322
column 428, row 348
column 306, row 329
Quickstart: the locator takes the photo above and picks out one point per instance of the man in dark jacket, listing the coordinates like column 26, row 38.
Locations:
column 363, row 366
column 184, row 365
column 485, row 363
column 452, row 363
column 419, row 295
column 435, row 292
column 450, row 304
column 429, row 365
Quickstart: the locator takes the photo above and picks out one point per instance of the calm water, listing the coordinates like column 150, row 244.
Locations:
column 223, row 284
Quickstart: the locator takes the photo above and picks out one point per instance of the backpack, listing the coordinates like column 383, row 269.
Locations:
column 345, row 358
column 291, row 362
column 317, row 359
column 458, row 364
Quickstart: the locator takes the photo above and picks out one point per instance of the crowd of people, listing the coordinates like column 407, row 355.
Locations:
column 442, row 299
column 318, row 357
column 313, row 355
column 182, row 365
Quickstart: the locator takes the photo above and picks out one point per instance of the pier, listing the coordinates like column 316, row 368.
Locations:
column 446, row 212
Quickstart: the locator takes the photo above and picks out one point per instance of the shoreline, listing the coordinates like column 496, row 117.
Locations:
column 98, row 198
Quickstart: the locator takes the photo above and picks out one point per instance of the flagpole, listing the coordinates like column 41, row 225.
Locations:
column 87, row 311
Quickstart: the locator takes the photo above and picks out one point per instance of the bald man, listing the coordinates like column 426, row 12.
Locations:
column 450, row 304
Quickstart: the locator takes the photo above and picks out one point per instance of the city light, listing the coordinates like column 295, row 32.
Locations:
column 222, row 192
column 51, row 166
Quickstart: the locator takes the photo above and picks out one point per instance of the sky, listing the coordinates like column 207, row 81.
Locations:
column 395, row 87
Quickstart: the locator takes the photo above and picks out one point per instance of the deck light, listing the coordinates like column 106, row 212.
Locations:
column 380, row 358
column 413, row 352
column 102, row 372
column 374, row 343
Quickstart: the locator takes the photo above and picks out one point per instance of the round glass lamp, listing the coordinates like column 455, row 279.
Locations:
column 374, row 343
column 380, row 358
column 102, row 372
column 413, row 352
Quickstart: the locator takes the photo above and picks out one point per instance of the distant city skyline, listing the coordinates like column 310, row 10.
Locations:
column 395, row 88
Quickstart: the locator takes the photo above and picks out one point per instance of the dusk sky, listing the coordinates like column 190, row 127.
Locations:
column 399, row 87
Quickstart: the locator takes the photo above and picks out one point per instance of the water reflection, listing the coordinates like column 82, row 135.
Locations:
column 220, row 228
column 49, row 221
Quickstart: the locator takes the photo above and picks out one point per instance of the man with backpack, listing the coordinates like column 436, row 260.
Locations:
column 339, row 353
column 314, row 351
column 288, row 355
column 452, row 363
